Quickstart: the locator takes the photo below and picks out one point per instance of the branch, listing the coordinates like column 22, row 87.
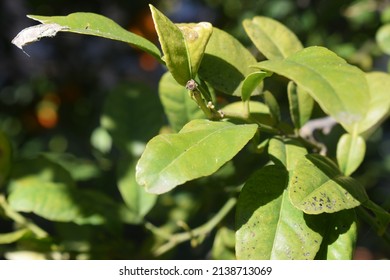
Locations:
column 20, row 219
column 199, row 232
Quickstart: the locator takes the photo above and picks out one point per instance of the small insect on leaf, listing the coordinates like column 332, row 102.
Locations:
column 35, row 33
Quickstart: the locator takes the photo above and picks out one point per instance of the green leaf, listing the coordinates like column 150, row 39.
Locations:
column 268, row 225
column 46, row 189
column 5, row 157
column 196, row 37
column 258, row 111
column 350, row 153
column 173, row 159
column 178, row 106
column 132, row 114
column 301, row 105
column 286, row 152
column 183, row 45
column 273, row 106
column 98, row 25
column 137, row 200
column 340, row 237
column 383, row 38
column 272, row 39
column 223, row 246
column 173, row 46
column 378, row 105
column 251, row 83
column 11, row 237
column 226, row 63
column 339, row 88
column 318, row 186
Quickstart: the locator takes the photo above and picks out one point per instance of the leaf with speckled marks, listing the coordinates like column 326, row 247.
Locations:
column 318, row 186
column 268, row 225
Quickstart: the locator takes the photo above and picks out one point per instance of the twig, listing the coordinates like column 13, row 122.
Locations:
column 199, row 232
column 20, row 219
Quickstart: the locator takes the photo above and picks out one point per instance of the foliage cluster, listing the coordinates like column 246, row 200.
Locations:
column 229, row 145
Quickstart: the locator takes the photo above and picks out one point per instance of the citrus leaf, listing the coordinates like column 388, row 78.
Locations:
column 46, row 189
column 132, row 114
column 378, row 105
column 300, row 103
column 137, row 200
column 173, row 46
column 196, row 37
column 383, row 38
column 318, row 186
column 286, row 152
column 173, row 159
column 272, row 39
column 340, row 237
column 258, row 111
column 273, row 106
column 226, row 63
column 223, row 246
column 178, row 106
column 268, row 225
column 350, row 153
column 251, row 83
column 98, row 25
column 339, row 88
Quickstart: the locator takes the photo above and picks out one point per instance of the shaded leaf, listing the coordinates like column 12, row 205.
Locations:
column 268, row 225
column 178, row 105
column 98, row 25
column 136, row 198
column 258, row 111
column 226, row 63
column 223, row 246
column 132, row 114
column 350, row 153
column 273, row 106
column 251, row 82
column 172, row 159
column 46, row 189
column 339, row 88
column 340, row 237
column 317, row 186
column 272, row 39
column 300, row 103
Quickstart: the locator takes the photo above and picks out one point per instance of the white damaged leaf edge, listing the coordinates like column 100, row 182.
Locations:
column 35, row 33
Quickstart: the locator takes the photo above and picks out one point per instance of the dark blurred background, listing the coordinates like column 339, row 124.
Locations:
column 52, row 99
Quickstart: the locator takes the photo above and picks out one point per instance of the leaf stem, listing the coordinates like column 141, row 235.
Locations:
column 20, row 219
column 199, row 232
